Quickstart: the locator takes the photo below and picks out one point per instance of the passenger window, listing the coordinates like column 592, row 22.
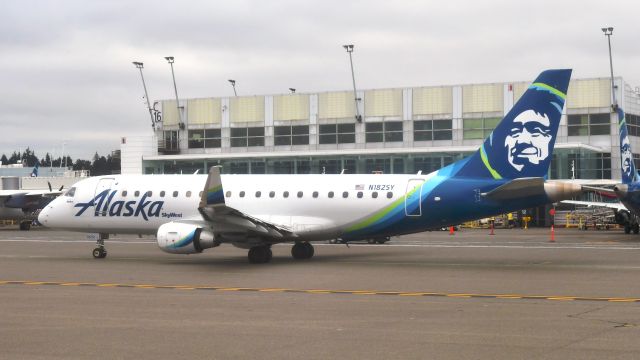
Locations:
column 124, row 193
column 188, row 193
column 285, row 194
column 241, row 193
column 389, row 195
column 299, row 194
column 374, row 194
column 228, row 194
column 359, row 194
column 136, row 194
column 258, row 194
column 162, row 193
column 71, row 192
column 149, row 193
column 175, row 194
column 272, row 194
column 315, row 194
column 330, row 194
column 345, row 194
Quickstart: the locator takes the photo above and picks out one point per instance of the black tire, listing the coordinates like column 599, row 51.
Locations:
column 636, row 228
column 627, row 229
column 25, row 225
column 99, row 253
column 259, row 254
column 302, row 251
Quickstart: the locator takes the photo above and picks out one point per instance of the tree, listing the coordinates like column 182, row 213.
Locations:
column 4, row 159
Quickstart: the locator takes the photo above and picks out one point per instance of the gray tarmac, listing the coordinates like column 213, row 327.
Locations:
column 430, row 295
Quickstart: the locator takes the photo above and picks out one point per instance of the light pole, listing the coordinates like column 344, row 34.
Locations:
column 349, row 49
column 140, row 66
column 233, row 85
column 170, row 60
column 608, row 31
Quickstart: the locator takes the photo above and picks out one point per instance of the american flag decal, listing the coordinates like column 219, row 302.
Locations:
column 360, row 187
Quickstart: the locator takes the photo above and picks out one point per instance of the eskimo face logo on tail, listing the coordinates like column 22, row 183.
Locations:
column 105, row 207
column 627, row 156
column 529, row 139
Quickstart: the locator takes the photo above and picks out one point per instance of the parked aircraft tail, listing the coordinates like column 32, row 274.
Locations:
column 34, row 173
column 522, row 143
column 627, row 166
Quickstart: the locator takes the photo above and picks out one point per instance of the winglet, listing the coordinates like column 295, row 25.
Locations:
column 213, row 194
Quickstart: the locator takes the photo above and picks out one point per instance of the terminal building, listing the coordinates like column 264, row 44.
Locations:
column 398, row 131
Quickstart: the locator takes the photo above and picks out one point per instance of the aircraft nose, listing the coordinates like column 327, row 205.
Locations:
column 43, row 216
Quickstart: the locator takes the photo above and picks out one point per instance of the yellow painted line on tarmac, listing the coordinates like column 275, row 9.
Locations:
column 272, row 290
column 328, row 291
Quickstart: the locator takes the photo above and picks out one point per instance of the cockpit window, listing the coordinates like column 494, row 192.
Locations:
column 71, row 192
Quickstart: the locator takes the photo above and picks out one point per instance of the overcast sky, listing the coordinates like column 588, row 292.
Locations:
column 66, row 72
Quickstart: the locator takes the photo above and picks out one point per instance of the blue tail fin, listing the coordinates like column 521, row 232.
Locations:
column 521, row 145
column 34, row 173
column 629, row 173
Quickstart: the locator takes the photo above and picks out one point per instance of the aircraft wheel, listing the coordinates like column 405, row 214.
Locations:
column 383, row 240
column 636, row 228
column 99, row 253
column 627, row 228
column 302, row 250
column 25, row 225
column 260, row 254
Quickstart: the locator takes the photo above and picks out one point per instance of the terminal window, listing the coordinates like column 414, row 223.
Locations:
column 633, row 124
column 205, row 138
column 291, row 135
column 427, row 130
column 588, row 124
column 250, row 136
column 383, row 131
column 337, row 134
column 478, row 128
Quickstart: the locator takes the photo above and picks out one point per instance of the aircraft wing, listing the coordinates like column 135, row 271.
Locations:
column 616, row 206
column 28, row 193
column 214, row 210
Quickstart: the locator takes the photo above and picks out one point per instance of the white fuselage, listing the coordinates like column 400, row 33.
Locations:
column 318, row 206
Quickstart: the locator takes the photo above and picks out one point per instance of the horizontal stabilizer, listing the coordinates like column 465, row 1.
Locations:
column 517, row 188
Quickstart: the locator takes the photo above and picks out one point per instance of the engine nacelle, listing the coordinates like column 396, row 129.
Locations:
column 181, row 238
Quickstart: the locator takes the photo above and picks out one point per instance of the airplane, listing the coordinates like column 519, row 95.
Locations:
column 23, row 205
column 627, row 210
column 191, row 213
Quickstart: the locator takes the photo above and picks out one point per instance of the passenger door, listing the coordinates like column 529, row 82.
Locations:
column 413, row 198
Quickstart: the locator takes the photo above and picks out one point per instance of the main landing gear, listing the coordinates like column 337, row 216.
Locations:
column 262, row 254
column 302, row 250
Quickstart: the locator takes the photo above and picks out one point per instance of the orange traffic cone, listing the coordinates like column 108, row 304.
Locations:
column 451, row 230
column 553, row 234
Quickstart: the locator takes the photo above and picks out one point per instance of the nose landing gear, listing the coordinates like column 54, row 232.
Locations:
column 100, row 252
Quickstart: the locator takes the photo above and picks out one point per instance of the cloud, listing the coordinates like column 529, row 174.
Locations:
column 67, row 72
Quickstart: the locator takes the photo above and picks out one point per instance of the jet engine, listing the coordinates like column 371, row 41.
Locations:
column 181, row 238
